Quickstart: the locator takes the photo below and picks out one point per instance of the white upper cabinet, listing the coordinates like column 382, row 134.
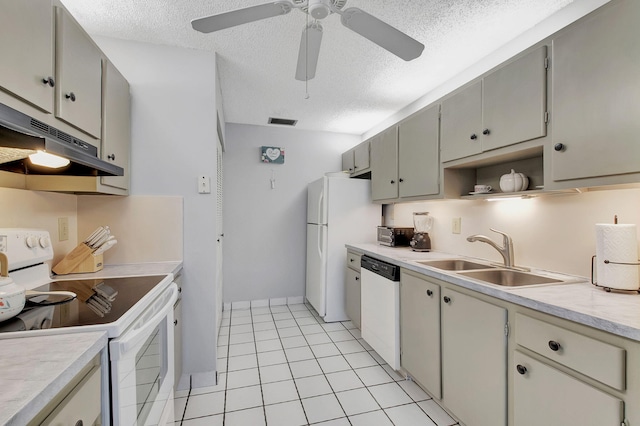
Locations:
column 506, row 107
column 418, row 149
column 116, row 126
column 26, row 68
column 79, row 75
column 595, row 95
column 384, row 165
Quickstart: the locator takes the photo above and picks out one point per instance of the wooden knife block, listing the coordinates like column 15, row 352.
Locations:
column 79, row 260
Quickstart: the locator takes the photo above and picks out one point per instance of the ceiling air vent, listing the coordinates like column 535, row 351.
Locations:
column 282, row 121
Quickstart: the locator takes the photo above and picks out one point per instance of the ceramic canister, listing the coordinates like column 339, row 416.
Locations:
column 12, row 298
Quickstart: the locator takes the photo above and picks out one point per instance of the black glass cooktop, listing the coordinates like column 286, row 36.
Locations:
column 98, row 301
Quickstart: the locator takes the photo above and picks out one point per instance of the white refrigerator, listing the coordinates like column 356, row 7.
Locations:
column 339, row 211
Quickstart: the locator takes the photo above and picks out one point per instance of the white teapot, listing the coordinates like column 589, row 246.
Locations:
column 12, row 295
column 514, row 182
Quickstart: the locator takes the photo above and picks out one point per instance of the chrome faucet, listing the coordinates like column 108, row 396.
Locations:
column 506, row 251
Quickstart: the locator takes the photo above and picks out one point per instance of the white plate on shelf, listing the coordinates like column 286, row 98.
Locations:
column 479, row 193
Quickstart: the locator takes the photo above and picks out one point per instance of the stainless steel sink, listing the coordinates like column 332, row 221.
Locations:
column 454, row 264
column 509, row 278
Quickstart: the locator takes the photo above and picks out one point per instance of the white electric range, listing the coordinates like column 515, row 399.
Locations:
column 136, row 312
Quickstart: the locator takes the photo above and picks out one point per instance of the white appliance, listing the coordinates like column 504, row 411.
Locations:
column 137, row 366
column 380, row 308
column 339, row 211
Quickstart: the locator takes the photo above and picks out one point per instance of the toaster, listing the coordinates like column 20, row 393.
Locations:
column 393, row 236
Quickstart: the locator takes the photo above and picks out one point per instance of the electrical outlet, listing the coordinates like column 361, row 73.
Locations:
column 63, row 228
column 456, row 224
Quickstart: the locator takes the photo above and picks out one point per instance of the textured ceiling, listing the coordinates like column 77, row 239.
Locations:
column 357, row 84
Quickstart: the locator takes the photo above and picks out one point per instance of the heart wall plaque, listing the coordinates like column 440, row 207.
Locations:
column 272, row 154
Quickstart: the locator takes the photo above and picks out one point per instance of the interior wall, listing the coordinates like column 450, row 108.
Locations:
column 555, row 233
column 174, row 137
column 40, row 210
column 265, row 227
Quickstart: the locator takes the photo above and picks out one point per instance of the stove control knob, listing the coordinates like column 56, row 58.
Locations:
column 44, row 242
column 31, row 241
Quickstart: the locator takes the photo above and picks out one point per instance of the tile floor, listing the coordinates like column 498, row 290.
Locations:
column 282, row 365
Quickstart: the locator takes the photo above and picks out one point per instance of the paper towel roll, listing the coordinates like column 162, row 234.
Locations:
column 619, row 244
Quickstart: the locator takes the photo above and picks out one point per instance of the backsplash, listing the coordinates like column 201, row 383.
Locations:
column 148, row 228
column 34, row 209
column 555, row 233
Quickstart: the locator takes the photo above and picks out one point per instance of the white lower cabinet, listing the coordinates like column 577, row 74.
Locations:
column 474, row 359
column 543, row 395
column 420, row 331
column 352, row 296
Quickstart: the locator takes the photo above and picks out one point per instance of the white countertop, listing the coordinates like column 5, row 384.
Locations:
column 130, row 270
column 578, row 301
column 35, row 369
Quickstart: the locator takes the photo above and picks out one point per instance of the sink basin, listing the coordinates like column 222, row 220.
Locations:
column 509, row 278
column 454, row 264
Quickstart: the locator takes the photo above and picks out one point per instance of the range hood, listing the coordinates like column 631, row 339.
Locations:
column 21, row 136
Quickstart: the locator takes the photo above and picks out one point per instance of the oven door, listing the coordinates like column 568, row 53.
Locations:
column 142, row 365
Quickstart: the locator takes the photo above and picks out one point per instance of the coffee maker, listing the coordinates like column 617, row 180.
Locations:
column 422, row 223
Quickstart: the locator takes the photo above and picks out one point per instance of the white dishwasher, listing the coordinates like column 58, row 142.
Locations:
column 380, row 308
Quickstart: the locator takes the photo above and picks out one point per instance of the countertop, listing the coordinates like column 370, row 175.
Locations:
column 35, row 369
column 578, row 300
column 130, row 270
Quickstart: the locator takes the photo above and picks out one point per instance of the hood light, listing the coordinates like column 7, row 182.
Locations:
column 45, row 159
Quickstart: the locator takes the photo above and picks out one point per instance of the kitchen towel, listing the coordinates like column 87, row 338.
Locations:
column 617, row 244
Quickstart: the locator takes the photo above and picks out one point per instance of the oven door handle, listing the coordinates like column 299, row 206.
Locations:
column 123, row 345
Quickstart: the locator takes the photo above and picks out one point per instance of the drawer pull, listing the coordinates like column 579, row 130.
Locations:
column 554, row 346
column 521, row 369
column 429, row 293
column 446, row 299
column 352, row 260
column 357, row 278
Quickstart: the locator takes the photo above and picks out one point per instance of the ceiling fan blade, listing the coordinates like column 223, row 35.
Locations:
column 309, row 52
column 381, row 33
column 241, row 16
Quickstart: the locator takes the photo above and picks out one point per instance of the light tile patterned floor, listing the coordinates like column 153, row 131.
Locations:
column 283, row 366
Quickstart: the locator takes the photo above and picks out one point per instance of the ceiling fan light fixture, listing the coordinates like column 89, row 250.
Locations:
column 319, row 9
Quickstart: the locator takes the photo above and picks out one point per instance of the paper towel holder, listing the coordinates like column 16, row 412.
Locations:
column 609, row 289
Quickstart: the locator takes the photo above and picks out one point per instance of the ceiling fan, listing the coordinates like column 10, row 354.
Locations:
column 368, row 26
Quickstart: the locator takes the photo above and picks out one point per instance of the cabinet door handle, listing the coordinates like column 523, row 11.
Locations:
column 473, row 137
column 554, row 346
column 71, row 96
column 175, row 322
column 393, row 181
column 521, row 369
column 559, row 147
column 111, row 157
column 79, row 423
column 429, row 293
column 49, row 80
column 486, row 131
column 400, row 180
column 357, row 278
column 446, row 299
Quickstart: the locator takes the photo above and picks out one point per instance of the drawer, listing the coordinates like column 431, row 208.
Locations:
column 353, row 261
column 82, row 405
column 601, row 361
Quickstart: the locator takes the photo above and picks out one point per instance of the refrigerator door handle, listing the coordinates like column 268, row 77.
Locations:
column 321, row 220
column 320, row 241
